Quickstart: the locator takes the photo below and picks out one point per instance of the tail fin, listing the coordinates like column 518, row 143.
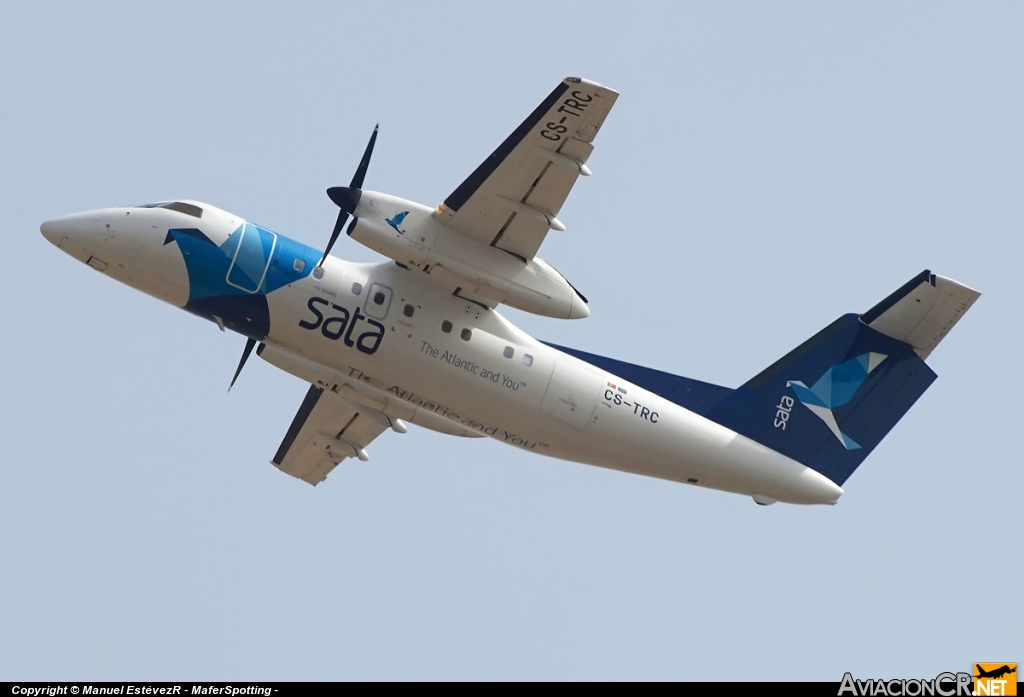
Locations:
column 830, row 401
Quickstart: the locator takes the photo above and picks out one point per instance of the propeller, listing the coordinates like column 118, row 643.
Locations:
column 347, row 197
column 249, row 345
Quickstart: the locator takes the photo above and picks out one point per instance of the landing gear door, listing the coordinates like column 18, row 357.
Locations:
column 572, row 394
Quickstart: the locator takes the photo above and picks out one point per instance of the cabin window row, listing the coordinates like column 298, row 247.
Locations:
column 467, row 334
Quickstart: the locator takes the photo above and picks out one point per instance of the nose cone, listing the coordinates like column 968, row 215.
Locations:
column 52, row 230
column 73, row 234
column 57, row 229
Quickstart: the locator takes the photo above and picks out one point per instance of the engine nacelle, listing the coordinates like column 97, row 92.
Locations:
column 533, row 287
column 375, row 233
column 408, row 233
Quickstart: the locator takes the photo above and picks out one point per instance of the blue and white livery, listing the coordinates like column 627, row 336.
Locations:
column 418, row 339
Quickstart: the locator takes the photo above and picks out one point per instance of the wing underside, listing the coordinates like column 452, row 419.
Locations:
column 326, row 430
column 512, row 199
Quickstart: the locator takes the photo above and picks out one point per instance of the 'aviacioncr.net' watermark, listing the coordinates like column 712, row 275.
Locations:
column 987, row 680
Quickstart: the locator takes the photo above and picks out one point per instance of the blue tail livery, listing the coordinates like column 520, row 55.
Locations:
column 863, row 382
column 836, row 388
column 831, row 400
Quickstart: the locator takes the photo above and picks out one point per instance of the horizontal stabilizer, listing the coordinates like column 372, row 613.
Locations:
column 922, row 311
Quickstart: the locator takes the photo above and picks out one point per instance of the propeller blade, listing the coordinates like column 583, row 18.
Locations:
column 338, row 225
column 249, row 345
column 360, row 175
column 347, row 197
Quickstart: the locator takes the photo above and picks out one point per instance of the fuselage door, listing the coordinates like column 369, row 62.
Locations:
column 572, row 394
column 251, row 258
column 378, row 300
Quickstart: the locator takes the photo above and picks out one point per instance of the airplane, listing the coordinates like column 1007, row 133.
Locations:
column 418, row 338
column 996, row 672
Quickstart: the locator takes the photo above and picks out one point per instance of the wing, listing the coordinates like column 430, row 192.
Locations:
column 326, row 430
column 514, row 196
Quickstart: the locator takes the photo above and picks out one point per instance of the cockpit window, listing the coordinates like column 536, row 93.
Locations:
column 181, row 207
column 186, row 208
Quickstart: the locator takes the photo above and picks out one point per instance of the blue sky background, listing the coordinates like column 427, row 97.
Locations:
column 767, row 168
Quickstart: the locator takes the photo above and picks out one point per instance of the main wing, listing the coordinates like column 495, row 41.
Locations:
column 512, row 199
column 326, row 430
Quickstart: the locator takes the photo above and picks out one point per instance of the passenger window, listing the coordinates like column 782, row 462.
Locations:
column 318, row 272
column 299, row 265
column 357, row 288
column 527, row 360
column 378, row 298
column 509, row 352
column 466, row 335
column 409, row 310
column 446, row 327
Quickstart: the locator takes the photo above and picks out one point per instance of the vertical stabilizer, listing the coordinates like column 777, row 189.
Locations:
column 830, row 401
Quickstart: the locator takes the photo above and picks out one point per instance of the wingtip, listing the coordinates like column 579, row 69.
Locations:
column 609, row 92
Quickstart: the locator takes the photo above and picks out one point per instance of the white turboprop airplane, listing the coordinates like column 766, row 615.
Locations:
column 418, row 339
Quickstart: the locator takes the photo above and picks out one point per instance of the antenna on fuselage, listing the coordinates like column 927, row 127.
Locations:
column 347, row 197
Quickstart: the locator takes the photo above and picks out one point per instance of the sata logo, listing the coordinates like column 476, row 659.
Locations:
column 396, row 221
column 782, row 411
column 837, row 388
column 334, row 327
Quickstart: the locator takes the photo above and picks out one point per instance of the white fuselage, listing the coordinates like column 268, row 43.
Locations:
column 396, row 338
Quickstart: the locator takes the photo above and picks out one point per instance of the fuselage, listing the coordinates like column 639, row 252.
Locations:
column 394, row 335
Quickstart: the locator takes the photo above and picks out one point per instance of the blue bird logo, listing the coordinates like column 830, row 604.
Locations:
column 396, row 221
column 835, row 388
